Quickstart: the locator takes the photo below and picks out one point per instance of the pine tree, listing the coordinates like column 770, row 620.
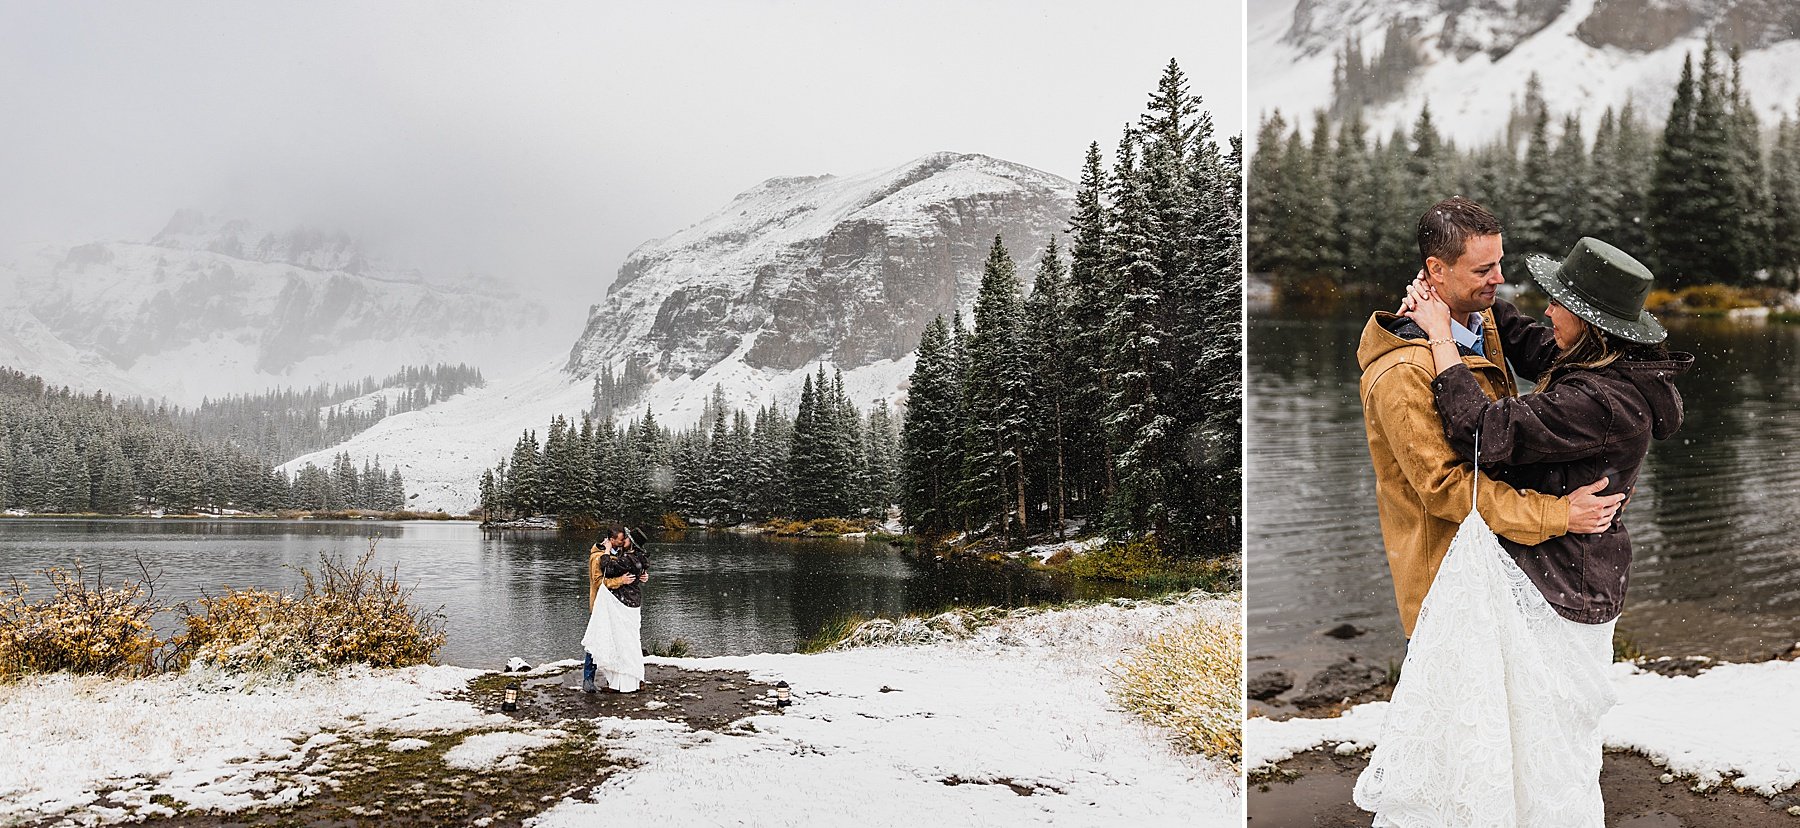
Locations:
column 1134, row 415
column 525, row 481
column 1683, row 204
column 1425, row 168
column 1606, row 185
column 1784, row 201
column 1267, row 202
column 6, row 469
column 1047, row 349
column 1091, row 296
column 1748, row 225
column 998, row 400
column 1537, row 224
column 1637, row 159
column 1354, row 220
column 881, row 441
column 926, row 457
column 807, row 459
column 723, row 484
column 1397, row 208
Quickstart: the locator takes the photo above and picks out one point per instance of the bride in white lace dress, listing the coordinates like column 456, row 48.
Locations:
column 1495, row 720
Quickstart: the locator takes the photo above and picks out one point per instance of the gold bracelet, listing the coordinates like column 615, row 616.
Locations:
column 1446, row 341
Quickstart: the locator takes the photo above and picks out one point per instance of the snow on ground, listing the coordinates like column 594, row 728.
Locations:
column 1730, row 722
column 201, row 736
column 499, row 749
column 442, row 450
column 1012, row 726
column 1045, row 551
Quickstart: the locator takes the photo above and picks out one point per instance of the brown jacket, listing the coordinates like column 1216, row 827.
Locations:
column 599, row 563
column 1579, row 426
column 1421, row 485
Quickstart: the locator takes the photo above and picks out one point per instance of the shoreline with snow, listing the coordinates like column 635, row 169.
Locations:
column 1711, row 729
column 1012, row 724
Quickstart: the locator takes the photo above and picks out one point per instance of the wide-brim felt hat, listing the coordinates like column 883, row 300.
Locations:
column 1602, row 285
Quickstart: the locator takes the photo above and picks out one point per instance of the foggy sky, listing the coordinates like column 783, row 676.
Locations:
column 541, row 142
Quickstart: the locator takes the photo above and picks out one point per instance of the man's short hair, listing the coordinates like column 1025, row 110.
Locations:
column 1445, row 229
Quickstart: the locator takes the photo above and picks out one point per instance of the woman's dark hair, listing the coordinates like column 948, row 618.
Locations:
column 1596, row 348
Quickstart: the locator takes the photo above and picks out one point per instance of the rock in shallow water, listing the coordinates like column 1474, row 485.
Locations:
column 1343, row 680
column 1268, row 685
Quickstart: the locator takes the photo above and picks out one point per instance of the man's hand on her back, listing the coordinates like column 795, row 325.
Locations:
column 1590, row 511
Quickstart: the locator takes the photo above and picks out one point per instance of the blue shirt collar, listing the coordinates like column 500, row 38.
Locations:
column 1467, row 337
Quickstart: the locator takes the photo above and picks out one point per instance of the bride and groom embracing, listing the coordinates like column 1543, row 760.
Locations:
column 1495, row 720
column 617, row 571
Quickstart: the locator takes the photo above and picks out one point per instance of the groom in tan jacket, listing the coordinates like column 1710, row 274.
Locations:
column 1421, row 485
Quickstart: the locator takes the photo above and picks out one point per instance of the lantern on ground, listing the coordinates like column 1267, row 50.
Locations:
column 509, row 698
column 782, row 698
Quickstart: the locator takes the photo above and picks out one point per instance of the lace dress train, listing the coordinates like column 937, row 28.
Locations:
column 1495, row 720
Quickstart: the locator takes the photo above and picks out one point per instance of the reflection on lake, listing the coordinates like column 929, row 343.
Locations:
column 1715, row 520
column 525, row 593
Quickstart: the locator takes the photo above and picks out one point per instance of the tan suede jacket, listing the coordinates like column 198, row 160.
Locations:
column 1421, row 485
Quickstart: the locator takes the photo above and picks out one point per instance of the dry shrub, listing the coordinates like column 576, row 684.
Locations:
column 1715, row 298
column 1662, row 301
column 84, row 626
column 1190, row 680
column 816, row 527
column 353, row 613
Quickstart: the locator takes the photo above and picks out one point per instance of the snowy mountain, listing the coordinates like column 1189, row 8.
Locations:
column 847, row 270
column 1475, row 55
column 215, row 306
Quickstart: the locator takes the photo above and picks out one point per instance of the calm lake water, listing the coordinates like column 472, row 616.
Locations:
column 1715, row 521
column 524, row 594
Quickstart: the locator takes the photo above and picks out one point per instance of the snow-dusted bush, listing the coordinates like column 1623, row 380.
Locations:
column 349, row 613
column 1190, row 680
column 83, row 626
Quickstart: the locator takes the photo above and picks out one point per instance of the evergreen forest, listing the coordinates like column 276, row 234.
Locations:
column 1712, row 196
column 68, row 453
column 825, row 460
column 1109, row 393
column 280, row 425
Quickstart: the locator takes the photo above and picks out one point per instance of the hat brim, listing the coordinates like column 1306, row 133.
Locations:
column 1547, row 272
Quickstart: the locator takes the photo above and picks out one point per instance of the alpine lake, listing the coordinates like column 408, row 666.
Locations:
column 1714, row 521
column 507, row 593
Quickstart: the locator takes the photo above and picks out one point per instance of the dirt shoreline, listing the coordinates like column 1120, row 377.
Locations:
column 368, row 782
column 1315, row 793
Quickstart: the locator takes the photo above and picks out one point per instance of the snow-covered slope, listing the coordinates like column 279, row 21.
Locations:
column 1477, row 55
column 210, row 307
column 27, row 345
column 846, row 271
column 442, row 450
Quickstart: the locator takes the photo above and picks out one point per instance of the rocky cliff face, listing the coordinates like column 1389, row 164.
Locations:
column 844, row 269
column 1649, row 25
column 213, row 306
column 1459, row 27
column 1462, row 28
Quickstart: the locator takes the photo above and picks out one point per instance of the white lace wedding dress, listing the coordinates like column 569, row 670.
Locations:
column 1495, row 721
column 612, row 639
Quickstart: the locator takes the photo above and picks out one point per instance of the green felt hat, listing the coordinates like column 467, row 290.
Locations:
column 1602, row 285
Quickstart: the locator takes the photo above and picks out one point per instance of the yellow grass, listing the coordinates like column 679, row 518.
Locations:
column 1190, row 680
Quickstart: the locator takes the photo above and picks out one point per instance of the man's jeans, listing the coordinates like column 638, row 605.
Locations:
column 587, row 667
